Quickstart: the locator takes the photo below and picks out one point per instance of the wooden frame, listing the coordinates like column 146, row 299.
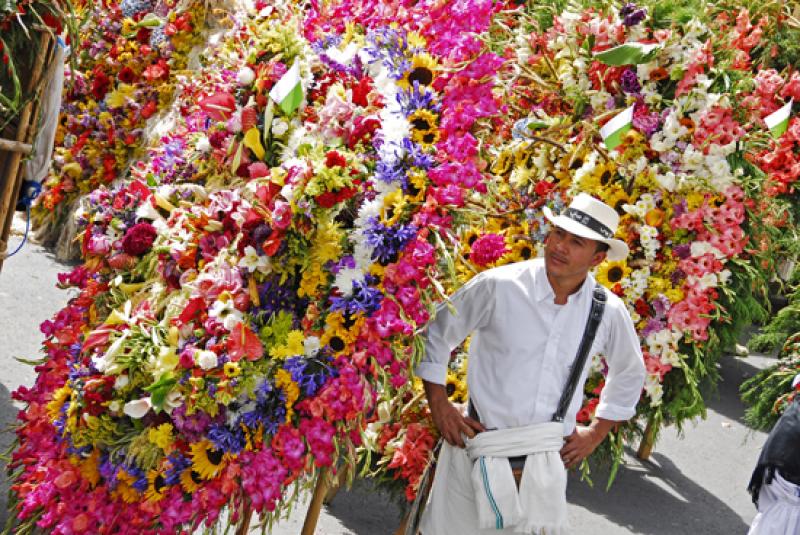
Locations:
column 13, row 150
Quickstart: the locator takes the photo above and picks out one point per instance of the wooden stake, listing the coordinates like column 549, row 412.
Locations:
column 247, row 516
column 314, row 508
column 401, row 529
column 15, row 146
column 341, row 480
column 646, row 447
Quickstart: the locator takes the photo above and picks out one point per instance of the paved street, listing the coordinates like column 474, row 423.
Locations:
column 693, row 483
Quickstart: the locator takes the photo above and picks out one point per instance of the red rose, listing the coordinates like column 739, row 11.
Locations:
column 139, row 239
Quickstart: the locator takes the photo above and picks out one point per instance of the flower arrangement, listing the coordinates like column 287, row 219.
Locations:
column 252, row 295
column 128, row 55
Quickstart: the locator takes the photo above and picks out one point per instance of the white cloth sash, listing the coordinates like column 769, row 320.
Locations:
column 474, row 492
column 778, row 508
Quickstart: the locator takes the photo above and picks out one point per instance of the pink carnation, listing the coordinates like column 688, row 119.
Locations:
column 487, row 249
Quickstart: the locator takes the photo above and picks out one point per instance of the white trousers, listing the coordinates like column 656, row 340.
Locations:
column 778, row 509
column 474, row 492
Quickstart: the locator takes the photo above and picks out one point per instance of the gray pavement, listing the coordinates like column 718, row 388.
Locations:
column 694, row 483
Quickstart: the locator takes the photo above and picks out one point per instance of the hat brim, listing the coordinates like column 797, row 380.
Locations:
column 617, row 249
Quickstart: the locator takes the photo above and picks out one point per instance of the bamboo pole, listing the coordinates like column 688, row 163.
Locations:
column 15, row 146
column 12, row 182
column 315, row 507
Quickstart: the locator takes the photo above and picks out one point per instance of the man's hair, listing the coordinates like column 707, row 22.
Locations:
column 602, row 247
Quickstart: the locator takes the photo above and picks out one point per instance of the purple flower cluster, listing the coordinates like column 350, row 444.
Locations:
column 365, row 299
column 630, row 82
column 387, row 242
column 632, row 14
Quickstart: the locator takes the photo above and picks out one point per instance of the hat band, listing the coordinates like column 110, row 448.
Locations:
column 588, row 221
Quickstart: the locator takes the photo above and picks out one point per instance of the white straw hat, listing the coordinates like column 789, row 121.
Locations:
column 591, row 218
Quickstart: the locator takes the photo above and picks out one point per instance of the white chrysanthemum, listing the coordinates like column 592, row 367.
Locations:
column 205, row 359
column 345, row 278
column 311, row 345
column 245, row 76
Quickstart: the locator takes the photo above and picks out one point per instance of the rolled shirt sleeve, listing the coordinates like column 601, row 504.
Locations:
column 626, row 370
column 466, row 310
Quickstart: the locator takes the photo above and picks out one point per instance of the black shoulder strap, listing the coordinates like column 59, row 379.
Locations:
column 595, row 316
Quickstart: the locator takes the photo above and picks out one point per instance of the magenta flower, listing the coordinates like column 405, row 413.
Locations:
column 487, row 249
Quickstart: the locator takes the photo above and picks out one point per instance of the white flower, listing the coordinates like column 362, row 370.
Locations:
column 245, row 76
column 114, row 406
column 345, row 278
column 254, row 262
column 311, row 345
column 206, row 359
column 279, row 127
column 666, row 181
column 202, row 144
column 173, row 400
column 654, row 390
column 121, row 382
column 342, row 56
column 138, row 407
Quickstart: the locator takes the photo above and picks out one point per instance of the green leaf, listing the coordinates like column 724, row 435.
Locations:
column 628, row 54
column 160, row 389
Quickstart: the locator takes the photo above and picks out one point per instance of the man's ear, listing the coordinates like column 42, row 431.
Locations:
column 598, row 258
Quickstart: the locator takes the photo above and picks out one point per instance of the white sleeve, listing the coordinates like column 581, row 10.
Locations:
column 472, row 307
column 626, row 371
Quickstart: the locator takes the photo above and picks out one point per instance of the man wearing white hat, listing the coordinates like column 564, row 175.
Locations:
column 531, row 323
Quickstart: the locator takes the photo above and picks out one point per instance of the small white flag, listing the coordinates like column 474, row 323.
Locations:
column 288, row 92
column 613, row 130
column 778, row 121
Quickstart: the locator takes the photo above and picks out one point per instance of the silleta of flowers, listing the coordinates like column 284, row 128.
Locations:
column 123, row 74
column 253, row 289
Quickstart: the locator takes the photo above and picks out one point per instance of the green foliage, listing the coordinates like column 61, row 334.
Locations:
column 675, row 13
column 783, row 324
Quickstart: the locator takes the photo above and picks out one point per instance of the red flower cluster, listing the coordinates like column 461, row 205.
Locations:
column 139, row 239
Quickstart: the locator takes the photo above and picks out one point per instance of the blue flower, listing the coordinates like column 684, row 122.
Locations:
column 228, row 440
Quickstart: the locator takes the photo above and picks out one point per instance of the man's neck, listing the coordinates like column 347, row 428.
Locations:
column 563, row 287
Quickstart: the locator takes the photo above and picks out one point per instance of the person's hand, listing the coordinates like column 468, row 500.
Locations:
column 449, row 420
column 580, row 444
column 452, row 423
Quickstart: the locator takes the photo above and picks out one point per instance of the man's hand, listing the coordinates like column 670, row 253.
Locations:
column 584, row 440
column 450, row 422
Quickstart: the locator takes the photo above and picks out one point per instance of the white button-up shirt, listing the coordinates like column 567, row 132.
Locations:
column 523, row 345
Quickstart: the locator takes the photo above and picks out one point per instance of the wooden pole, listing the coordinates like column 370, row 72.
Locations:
column 341, row 480
column 247, row 515
column 12, row 183
column 315, row 507
column 15, row 146
column 401, row 529
column 649, row 439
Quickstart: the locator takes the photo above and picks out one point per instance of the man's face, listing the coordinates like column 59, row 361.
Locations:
column 569, row 255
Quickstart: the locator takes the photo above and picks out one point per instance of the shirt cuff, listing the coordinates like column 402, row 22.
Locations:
column 432, row 372
column 616, row 413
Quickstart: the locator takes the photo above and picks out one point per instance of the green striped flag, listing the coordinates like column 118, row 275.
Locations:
column 613, row 130
column 288, row 92
column 778, row 122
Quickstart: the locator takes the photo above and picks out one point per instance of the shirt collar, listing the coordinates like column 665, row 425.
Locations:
column 543, row 291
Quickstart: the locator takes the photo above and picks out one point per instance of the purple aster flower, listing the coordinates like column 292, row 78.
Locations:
column 365, row 299
column 682, row 251
column 227, row 440
column 632, row 14
column 387, row 242
column 630, row 82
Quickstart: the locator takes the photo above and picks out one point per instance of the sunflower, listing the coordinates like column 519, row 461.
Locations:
column 125, row 489
column 89, row 468
column 207, row 461
column 423, row 71
column 456, row 388
column 156, row 487
column 231, row 369
column 523, row 153
column 616, row 198
column 341, row 332
column 522, row 250
column 393, row 205
column 610, row 273
column 503, row 162
column 424, row 129
column 190, row 480
column 415, row 189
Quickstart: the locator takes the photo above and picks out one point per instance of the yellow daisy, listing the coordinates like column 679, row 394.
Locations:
column 456, row 388
column 616, row 198
column 502, row 164
column 231, row 369
column 522, row 250
column 207, row 461
column 610, row 273
column 424, row 129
